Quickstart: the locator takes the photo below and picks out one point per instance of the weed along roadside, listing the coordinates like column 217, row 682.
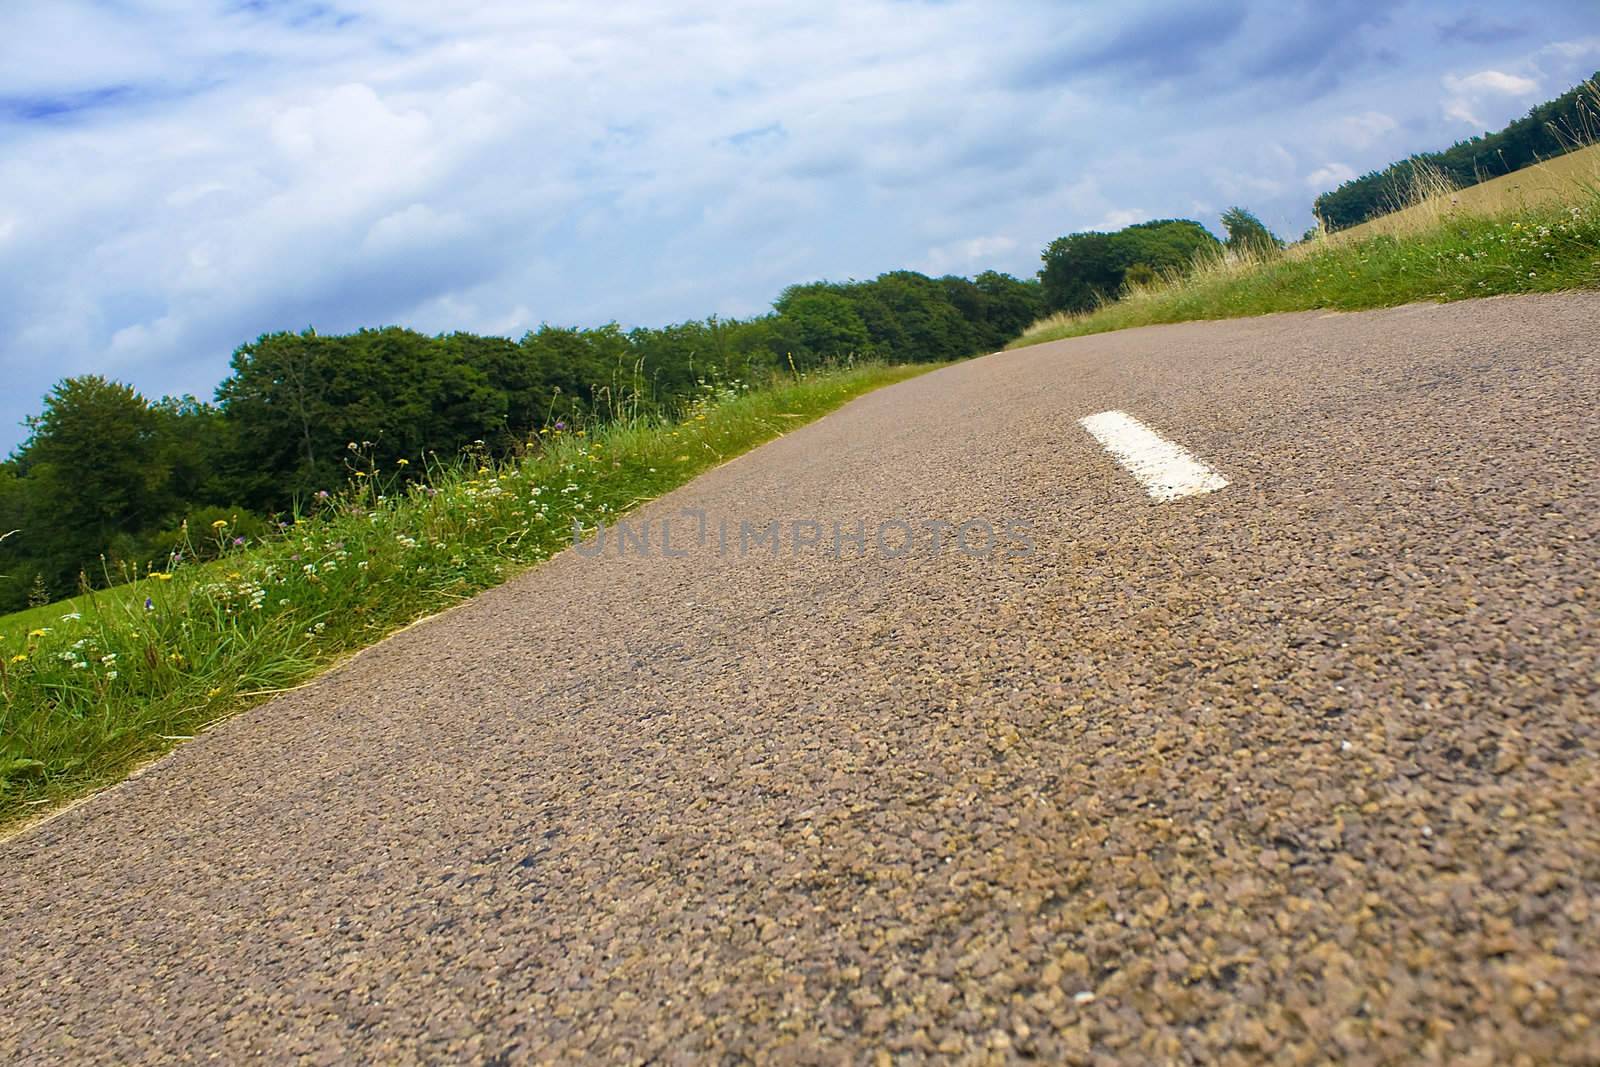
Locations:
column 91, row 687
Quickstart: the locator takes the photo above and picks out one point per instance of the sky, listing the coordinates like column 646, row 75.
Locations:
column 177, row 178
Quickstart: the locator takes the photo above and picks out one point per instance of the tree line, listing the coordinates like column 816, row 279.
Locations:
column 106, row 474
column 1550, row 129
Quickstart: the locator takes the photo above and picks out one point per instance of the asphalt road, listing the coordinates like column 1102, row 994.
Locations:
column 1303, row 769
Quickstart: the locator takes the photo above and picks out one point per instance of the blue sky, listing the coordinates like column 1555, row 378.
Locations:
column 179, row 177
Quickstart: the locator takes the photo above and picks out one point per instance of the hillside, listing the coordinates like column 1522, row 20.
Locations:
column 1563, row 180
column 1549, row 130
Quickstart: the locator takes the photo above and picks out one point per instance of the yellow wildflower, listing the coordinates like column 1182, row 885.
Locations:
column 37, row 633
column 162, row 576
column 403, row 462
column 19, row 658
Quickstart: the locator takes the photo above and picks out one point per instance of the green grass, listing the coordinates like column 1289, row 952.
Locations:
column 1535, row 249
column 91, row 687
column 17, row 624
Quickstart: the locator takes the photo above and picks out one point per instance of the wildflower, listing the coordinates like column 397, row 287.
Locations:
column 108, row 659
column 212, row 694
column 361, row 474
column 402, row 463
column 38, row 633
column 162, row 576
column 149, row 605
column 237, row 541
column 219, row 524
column 71, row 615
column 322, row 494
column 111, row 675
column 19, row 658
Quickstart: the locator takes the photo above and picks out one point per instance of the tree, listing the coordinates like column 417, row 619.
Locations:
column 294, row 402
column 92, row 468
column 818, row 325
column 1248, row 235
column 1082, row 270
column 275, row 403
column 1009, row 306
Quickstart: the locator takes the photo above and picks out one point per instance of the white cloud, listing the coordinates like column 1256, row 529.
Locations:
column 1491, row 82
column 1462, row 112
column 1329, row 176
column 969, row 256
column 1470, row 94
column 1359, row 131
column 1117, row 218
column 1575, row 49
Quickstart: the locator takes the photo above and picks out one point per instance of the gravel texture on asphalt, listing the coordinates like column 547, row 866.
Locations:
column 1304, row 770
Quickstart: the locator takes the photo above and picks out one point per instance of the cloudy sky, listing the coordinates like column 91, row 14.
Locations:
column 179, row 176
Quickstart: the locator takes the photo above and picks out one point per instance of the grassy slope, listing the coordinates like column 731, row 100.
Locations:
column 1563, row 181
column 91, row 687
column 1543, row 246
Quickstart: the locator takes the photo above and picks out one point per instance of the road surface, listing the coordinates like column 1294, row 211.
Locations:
column 1303, row 768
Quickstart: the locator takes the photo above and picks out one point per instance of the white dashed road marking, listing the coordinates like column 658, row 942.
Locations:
column 1166, row 471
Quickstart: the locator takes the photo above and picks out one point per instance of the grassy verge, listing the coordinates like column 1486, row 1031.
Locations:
column 1534, row 249
column 91, row 687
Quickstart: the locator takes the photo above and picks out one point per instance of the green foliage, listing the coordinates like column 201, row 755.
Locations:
column 108, row 479
column 1543, row 249
column 1082, row 270
column 1248, row 235
column 92, row 468
column 903, row 317
column 1567, row 122
column 89, row 687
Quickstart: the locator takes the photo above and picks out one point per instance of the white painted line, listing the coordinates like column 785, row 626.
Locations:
column 1166, row 471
